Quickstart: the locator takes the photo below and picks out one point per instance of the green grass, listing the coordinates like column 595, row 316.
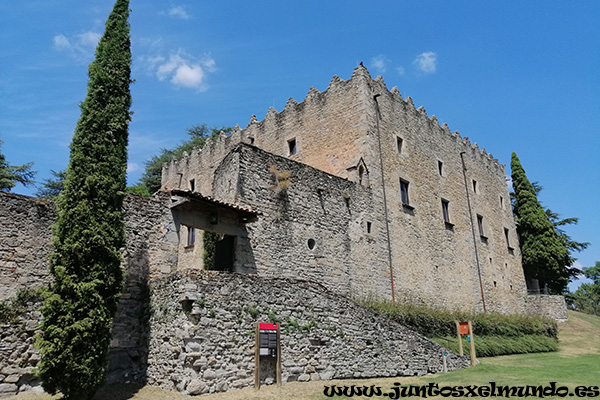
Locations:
column 577, row 362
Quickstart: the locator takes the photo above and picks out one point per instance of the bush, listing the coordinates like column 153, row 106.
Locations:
column 489, row 346
column 495, row 334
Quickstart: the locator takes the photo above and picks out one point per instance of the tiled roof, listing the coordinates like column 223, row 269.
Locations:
column 197, row 196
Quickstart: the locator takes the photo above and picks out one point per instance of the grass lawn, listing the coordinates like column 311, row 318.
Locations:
column 576, row 363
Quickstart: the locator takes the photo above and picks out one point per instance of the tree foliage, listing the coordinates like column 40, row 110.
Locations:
column 10, row 175
column 544, row 252
column 198, row 135
column 587, row 297
column 51, row 187
column 82, row 300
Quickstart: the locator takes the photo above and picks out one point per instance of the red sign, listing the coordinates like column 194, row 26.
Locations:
column 463, row 328
column 267, row 326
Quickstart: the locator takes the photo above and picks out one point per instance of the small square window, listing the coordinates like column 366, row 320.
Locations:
column 399, row 144
column 404, row 192
column 292, row 148
column 191, row 237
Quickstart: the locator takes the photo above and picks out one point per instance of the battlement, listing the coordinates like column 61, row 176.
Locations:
column 330, row 129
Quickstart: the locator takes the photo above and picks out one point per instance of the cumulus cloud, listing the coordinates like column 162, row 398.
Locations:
column 183, row 70
column 79, row 47
column 179, row 12
column 426, row 62
column 379, row 64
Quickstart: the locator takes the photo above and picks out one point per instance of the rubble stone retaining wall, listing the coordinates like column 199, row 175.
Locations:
column 203, row 333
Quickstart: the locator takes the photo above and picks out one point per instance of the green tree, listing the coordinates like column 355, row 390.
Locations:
column 198, row 135
column 544, row 253
column 85, row 265
column 10, row 175
column 587, row 297
column 51, row 187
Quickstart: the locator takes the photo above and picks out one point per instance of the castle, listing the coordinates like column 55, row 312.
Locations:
column 352, row 193
column 358, row 189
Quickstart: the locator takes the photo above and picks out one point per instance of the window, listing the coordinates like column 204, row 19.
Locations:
column 361, row 172
column 368, row 227
column 441, row 168
column 480, row 226
column 502, row 202
column 445, row 211
column 506, row 235
column 399, row 144
column 192, row 184
column 292, row 149
column 404, row 192
column 191, row 237
column 474, row 186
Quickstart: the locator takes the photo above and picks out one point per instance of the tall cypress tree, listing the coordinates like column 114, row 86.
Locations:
column 78, row 313
column 544, row 253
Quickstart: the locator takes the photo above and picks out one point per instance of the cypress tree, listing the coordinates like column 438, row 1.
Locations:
column 89, row 232
column 544, row 253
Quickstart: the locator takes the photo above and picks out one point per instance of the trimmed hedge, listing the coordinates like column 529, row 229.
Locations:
column 495, row 334
column 488, row 346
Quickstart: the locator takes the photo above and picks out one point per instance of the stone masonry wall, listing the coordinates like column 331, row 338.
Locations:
column 550, row 306
column 203, row 334
column 25, row 237
column 313, row 225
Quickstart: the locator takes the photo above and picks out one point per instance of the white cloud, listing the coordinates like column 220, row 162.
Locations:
column 80, row 47
column 183, row 70
column 133, row 167
column 61, row 42
column 379, row 64
column 89, row 39
column 426, row 62
column 179, row 12
column 400, row 70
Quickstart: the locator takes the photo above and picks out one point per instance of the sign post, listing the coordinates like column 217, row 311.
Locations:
column 266, row 347
column 466, row 328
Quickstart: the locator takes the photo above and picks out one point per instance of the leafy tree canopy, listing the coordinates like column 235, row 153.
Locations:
column 10, row 175
column 89, row 232
column 51, row 187
column 198, row 135
column 587, row 297
column 545, row 251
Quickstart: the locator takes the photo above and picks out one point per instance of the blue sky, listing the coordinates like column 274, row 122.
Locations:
column 510, row 75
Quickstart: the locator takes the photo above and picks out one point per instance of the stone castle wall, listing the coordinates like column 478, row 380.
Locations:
column 360, row 131
column 25, row 243
column 203, row 334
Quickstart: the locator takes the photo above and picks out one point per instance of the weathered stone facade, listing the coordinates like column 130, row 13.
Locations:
column 373, row 181
column 203, row 325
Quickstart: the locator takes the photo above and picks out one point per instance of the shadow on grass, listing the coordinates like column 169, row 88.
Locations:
column 118, row 391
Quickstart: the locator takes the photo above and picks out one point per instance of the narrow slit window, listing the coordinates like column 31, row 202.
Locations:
column 404, row 192
column 480, row 226
column 502, row 202
column 445, row 210
column 441, row 168
column 292, row 147
column 506, row 235
column 368, row 227
column 399, row 144
column 192, row 185
column 474, row 186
